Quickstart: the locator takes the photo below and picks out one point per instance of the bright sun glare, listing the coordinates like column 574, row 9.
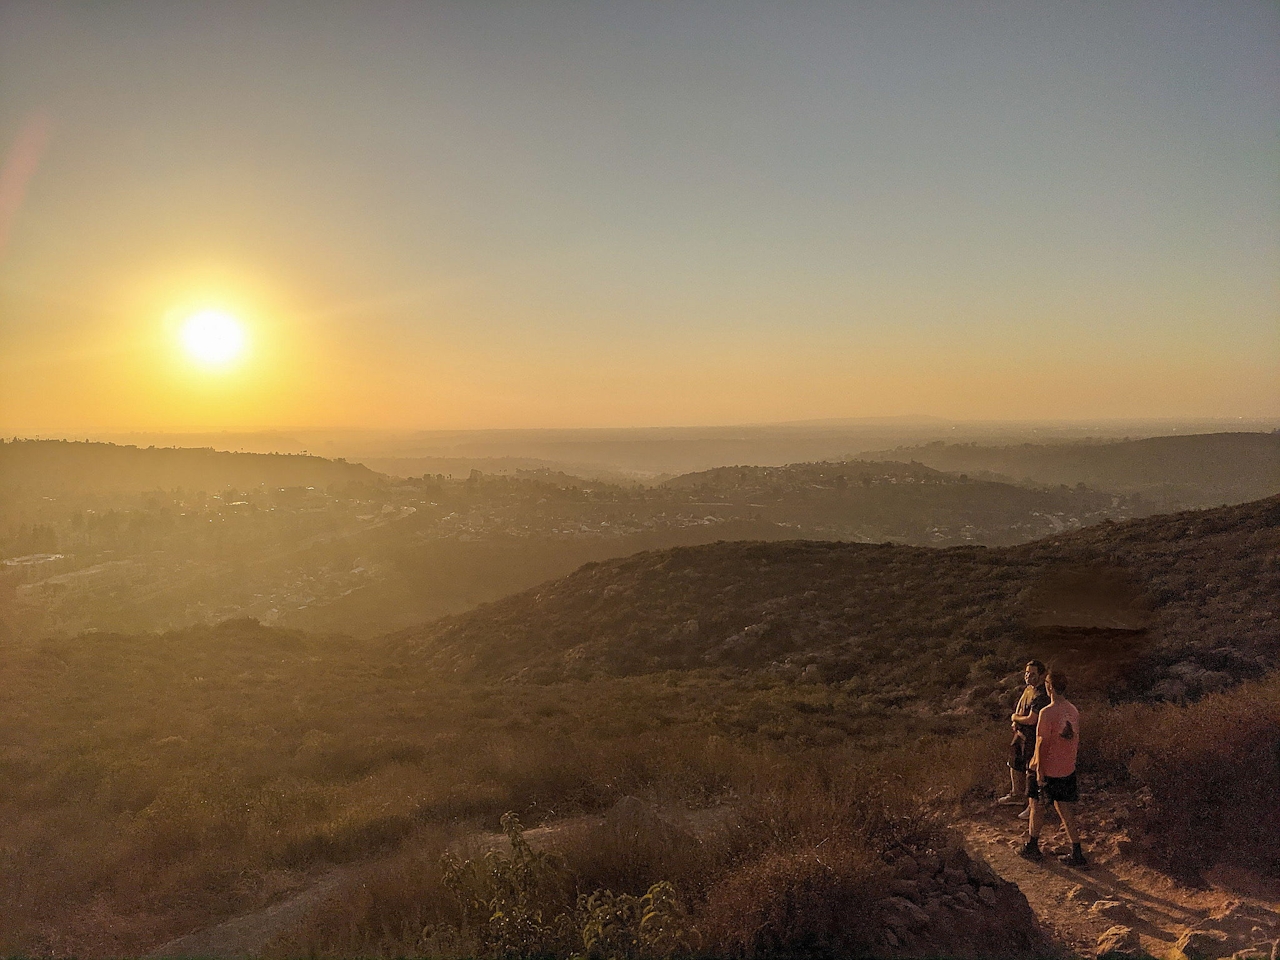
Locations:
column 212, row 337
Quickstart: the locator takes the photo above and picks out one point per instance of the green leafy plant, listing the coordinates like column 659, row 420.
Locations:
column 512, row 904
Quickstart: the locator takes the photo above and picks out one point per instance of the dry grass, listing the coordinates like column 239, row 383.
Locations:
column 150, row 785
column 1213, row 772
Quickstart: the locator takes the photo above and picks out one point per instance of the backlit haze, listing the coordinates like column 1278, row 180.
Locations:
column 462, row 216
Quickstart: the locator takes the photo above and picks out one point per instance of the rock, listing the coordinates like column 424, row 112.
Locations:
column 1079, row 892
column 987, row 896
column 895, row 922
column 954, row 878
column 811, row 674
column 1253, row 922
column 1205, row 945
column 913, row 915
column 908, row 889
column 1175, row 691
column 1120, row 942
column 979, row 872
column 1112, row 910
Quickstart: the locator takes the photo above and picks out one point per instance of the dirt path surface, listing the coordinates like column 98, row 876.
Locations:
column 248, row 935
column 1076, row 907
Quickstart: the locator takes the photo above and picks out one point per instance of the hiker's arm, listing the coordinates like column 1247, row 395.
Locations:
column 1035, row 760
column 1029, row 718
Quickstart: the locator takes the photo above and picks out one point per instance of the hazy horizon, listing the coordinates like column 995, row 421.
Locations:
column 558, row 215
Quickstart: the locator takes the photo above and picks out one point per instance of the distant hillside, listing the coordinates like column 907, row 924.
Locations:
column 1171, row 472
column 904, row 502
column 1175, row 605
column 63, row 467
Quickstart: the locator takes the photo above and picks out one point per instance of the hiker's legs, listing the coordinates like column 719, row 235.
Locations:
column 1037, row 819
column 1017, row 782
column 1068, row 814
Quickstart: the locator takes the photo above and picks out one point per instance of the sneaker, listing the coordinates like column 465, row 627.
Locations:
column 1074, row 859
column 1010, row 798
column 1030, row 851
column 1025, row 814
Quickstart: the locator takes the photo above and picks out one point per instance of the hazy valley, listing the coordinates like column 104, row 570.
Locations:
column 120, row 538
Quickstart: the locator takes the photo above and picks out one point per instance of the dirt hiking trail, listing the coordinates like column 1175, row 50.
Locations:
column 1074, row 907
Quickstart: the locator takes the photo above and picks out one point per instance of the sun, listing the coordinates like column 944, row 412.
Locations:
column 213, row 338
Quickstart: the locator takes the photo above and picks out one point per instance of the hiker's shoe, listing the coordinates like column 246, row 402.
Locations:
column 1025, row 814
column 1074, row 859
column 1030, row 851
column 1010, row 798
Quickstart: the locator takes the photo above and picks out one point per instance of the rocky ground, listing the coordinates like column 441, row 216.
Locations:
column 1117, row 905
column 982, row 900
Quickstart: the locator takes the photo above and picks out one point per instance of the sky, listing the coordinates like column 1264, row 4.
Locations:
column 470, row 215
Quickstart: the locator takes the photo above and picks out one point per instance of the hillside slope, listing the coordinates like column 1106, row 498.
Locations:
column 1177, row 605
column 1169, row 472
column 63, row 467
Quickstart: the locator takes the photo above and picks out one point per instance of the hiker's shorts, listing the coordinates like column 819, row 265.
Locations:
column 1020, row 752
column 1055, row 790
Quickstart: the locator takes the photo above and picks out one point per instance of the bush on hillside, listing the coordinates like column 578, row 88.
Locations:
column 1213, row 772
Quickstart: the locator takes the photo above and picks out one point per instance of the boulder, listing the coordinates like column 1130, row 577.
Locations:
column 1206, row 945
column 1113, row 910
column 906, row 867
column 1120, row 943
column 907, row 889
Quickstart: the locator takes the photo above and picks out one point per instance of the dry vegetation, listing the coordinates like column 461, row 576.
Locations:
column 1202, row 607
column 152, row 784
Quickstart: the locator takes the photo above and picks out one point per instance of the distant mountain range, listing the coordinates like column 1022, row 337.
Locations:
column 58, row 467
column 1170, row 472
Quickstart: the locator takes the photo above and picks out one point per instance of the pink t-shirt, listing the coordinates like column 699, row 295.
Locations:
column 1059, row 732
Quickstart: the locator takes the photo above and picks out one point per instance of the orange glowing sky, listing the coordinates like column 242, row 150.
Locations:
column 567, row 214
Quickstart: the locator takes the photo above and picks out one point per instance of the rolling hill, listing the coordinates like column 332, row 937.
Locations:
column 68, row 467
column 1175, row 605
column 1203, row 470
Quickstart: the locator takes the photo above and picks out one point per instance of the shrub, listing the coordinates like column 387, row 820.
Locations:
column 1213, row 771
column 513, row 904
column 812, row 900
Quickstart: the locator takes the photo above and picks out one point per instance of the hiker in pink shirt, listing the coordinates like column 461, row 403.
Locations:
column 1054, row 766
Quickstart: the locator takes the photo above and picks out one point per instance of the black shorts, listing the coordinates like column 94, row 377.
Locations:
column 1021, row 751
column 1056, row 789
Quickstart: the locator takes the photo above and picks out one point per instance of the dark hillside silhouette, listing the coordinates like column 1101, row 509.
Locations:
column 63, row 467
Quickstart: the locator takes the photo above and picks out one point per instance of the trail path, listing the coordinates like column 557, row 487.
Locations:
column 249, row 934
column 1075, row 907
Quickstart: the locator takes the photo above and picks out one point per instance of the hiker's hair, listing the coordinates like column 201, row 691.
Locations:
column 1057, row 679
column 1038, row 665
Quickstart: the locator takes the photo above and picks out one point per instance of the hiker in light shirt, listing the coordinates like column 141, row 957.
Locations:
column 1053, row 770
